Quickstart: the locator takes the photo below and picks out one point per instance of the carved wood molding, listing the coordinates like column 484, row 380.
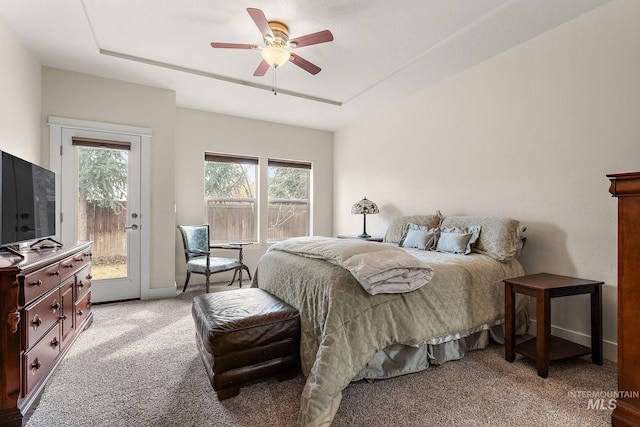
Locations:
column 13, row 317
column 624, row 184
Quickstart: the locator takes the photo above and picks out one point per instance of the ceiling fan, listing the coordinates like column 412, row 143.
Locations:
column 274, row 53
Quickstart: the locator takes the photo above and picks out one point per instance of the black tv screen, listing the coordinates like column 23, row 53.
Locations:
column 28, row 200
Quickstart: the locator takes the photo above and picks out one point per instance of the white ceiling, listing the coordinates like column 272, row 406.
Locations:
column 382, row 50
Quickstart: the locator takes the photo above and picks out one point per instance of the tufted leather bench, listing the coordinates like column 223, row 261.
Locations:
column 243, row 335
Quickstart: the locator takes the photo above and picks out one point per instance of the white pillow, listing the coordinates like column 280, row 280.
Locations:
column 501, row 238
column 419, row 236
column 457, row 240
column 398, row 227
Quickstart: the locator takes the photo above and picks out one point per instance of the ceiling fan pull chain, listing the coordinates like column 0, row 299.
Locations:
column 275, row 68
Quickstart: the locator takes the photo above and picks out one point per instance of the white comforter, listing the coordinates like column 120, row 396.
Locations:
column 379, row 268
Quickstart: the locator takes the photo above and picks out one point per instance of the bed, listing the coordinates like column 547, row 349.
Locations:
column 349, row 334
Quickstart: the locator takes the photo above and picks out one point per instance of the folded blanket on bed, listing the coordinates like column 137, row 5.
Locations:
column 378, row 267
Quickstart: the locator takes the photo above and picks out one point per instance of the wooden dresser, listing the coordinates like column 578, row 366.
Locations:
column 626, row 187
column 45, row 302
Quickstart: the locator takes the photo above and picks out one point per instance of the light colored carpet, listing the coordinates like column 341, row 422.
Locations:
column 138, row 365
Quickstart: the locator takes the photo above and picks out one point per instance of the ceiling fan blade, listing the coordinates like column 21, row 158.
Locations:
column 261, row 21
column 309, row 39
column 233, row 45
column 262, row 69
column 304, row 64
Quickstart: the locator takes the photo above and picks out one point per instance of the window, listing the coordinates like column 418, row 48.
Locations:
column 230, row 197
column 288, row 199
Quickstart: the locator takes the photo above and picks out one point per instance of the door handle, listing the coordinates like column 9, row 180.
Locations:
column 132, row 227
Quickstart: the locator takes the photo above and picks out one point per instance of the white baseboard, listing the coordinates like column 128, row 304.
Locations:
column 609, row 349
column 158, row 293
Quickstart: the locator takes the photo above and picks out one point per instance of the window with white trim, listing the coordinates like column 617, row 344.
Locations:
column 288, row 199
column 230, row 195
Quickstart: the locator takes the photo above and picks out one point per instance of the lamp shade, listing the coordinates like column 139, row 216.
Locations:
column 365, row 206
column 275, row 56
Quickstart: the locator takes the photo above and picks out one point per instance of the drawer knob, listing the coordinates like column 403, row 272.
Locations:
column 70, row 265
column 55, row 306
column 88, row 303
column 80, row 312
column 37, row 283
column 89, row 277
column 55, row 273
column 37, row 321
column 63, row 317
column 54, row 342
column 80, row 284
column 35, row 365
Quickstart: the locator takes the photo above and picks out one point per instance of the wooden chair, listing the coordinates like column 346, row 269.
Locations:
column 197, row 253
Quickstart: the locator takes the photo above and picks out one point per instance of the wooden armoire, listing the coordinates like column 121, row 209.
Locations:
column 626, row 187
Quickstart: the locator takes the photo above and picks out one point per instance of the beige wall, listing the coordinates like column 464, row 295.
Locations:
column 178, row 145
column 20, row 102
column 198, row 132
column 81, row 96
column 528, row 134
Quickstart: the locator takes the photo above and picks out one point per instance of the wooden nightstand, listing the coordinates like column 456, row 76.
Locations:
column 368, row 239
column 545, row 347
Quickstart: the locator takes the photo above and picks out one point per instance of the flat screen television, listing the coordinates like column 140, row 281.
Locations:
column 28, row 201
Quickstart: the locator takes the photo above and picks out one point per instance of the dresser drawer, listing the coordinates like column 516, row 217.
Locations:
column 40, row 316
column 83, row 282
column 40, row 282
column 67, row 268
column 37, row 361
column 83, row 310
column 71, row 265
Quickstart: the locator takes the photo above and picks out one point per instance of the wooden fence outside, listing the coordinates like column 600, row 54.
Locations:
column 105, row 228
column 236, row 221
column 228, row 222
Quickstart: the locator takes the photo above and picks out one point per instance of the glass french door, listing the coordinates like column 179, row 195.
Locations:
column 100, row 201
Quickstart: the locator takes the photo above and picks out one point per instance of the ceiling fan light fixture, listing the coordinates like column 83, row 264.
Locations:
column 275, row 56
column 275, row 53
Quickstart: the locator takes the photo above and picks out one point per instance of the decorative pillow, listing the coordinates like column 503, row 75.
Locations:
column 420, row 237
column 457, row 240
column 501, row 238
column 398, row 227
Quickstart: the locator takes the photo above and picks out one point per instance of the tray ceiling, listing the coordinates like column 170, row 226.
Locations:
column 382, row 51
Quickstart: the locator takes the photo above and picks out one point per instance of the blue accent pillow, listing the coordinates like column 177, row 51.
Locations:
column 419, row 237
column 457, row 240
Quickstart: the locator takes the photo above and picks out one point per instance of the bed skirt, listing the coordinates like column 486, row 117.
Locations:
column 401, row 359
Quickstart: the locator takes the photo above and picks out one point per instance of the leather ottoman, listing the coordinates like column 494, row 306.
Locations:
column 243, row 335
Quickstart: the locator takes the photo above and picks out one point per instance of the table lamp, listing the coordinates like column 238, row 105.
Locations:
column 364, row 207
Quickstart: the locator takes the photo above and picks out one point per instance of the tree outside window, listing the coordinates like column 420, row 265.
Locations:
column 102, row 207
column 288, row 199
column 230, row 197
